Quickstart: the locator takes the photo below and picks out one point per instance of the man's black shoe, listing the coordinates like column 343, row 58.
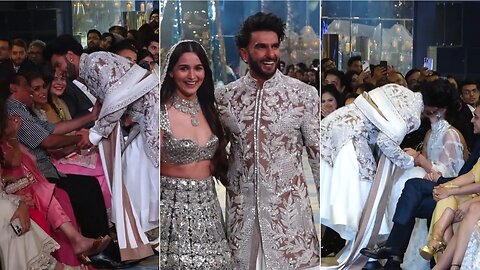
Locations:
column 102, row 260
column 378, row 253
column 373, row 265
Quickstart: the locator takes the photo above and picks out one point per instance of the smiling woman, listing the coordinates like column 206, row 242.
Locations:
column 192, row 152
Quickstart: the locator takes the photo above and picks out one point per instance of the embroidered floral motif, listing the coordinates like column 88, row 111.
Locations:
column 129, row 89
column 269, row 128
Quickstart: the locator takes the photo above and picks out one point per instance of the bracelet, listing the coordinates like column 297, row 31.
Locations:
column 12, row 138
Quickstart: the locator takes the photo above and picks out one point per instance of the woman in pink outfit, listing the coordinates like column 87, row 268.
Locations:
column 22, row 177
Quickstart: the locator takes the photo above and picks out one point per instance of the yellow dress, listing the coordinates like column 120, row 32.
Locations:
column 452, row 202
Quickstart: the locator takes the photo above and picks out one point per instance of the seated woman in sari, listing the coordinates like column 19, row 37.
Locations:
column 22, row 177
column 49, row 107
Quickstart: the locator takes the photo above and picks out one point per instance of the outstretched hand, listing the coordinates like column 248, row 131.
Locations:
column 84, row 142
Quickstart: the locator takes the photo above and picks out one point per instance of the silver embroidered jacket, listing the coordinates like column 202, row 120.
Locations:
column 269, row 128
column 123, row 86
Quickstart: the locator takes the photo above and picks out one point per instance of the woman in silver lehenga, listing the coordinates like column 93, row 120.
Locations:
column 192, row 231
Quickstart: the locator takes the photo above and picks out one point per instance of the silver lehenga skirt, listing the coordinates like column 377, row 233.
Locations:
column 192, row 232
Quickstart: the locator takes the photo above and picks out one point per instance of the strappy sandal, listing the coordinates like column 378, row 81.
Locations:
column 427, row 252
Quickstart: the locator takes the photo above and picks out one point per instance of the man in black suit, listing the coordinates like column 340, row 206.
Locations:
column 416, row 201
column 77, row 101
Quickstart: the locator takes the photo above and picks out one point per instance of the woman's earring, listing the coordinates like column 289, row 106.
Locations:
column 438, row 116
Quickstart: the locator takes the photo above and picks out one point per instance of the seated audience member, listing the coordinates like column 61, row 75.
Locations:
column 126, row 49
column 337, row 78
column 39, row 137
column 32, row 248
column 444, row 152
column 331, row 99
column 469, row 93
column 462, row 249
column 412, row 78
column 107, row 40
column 18, row 55
column 35, row 52
column 49, row 107
column 290, row 70
column 94, row 38
column 379, row 75
column 355, row 64
column 310, row 77
column 326, row 64
column 351, row 81
column 119, row 32
column 145, row 60
column 152, row 45
column 397, row 77
column 299, row 75
column 22, row 177
column 416, row 201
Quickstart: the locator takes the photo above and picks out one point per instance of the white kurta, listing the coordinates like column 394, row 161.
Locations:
column 349, row 174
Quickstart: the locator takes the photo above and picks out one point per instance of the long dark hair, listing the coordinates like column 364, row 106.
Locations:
column 206, row 98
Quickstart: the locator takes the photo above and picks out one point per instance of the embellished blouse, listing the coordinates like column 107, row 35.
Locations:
column 183, row 151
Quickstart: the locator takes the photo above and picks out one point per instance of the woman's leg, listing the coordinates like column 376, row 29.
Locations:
column 464, row 232
column 458, row 244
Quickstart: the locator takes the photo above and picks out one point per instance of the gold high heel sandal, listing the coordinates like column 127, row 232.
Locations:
column 428, row 251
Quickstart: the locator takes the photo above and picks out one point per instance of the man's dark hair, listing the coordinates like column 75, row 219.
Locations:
column 340, row 75
column 410, row 72
column 94, row 31
column 118, row 29
column 125, row 44
column 108, row 34
column 260, row 22
column 466, row 82
column 155, row 11
column 354, row 59
column 61, row 45
column 18, row 42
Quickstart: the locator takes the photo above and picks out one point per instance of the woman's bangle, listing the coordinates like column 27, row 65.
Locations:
column 12, row 138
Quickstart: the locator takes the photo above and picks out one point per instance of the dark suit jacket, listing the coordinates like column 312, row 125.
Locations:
column 78, row 103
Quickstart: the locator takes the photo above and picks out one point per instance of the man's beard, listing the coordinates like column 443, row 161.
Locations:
column 71, row 72
column 255, row 67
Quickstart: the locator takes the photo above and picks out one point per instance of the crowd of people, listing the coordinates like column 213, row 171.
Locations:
column 79, row 131
column 399, row 168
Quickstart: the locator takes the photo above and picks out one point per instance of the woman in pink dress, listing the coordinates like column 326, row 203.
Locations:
column 22, row 177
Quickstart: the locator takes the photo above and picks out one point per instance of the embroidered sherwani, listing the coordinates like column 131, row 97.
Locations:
column 353, row 182
column 267, row 198
column 126, row 88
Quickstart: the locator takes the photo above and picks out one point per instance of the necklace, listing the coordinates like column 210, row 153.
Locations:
column 190, row 107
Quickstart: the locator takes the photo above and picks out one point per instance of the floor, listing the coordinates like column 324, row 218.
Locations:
column 152, row 262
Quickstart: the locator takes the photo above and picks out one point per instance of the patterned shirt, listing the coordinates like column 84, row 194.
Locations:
column 31, row 134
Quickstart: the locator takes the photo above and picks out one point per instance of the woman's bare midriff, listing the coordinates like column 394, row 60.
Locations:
column 196, row 170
